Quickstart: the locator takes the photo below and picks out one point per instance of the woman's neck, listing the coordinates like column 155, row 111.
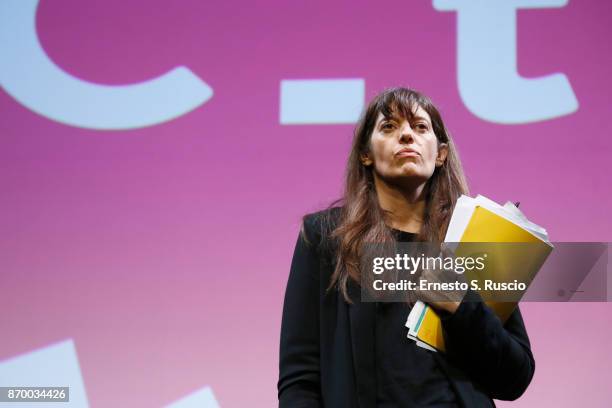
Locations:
column 406, row 206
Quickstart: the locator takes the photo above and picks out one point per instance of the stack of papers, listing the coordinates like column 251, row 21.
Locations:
column 414, row 324
column 466, row 206
column 483, row 220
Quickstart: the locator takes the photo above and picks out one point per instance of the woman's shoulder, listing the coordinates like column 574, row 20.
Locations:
column 318, row 225
column 329, row 215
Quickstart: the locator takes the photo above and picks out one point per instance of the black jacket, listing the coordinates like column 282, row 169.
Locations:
column 326, row 344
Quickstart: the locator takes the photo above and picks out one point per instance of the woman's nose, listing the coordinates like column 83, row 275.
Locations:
column 406, row 133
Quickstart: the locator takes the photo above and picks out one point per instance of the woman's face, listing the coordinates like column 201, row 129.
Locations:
column 402, row 151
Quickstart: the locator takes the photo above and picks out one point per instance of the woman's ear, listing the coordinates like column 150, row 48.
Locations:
column 442, row 153
column 365, row 159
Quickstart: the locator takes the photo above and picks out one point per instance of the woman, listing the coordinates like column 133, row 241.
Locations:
column 403, row 179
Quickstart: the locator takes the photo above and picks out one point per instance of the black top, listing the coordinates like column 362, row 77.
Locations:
column 326, row 353
column 406, row 373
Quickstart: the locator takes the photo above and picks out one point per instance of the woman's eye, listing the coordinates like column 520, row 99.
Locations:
column 422, row 126
column 387, row 126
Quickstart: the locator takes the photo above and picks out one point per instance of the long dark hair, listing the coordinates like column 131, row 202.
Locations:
column 361, row 219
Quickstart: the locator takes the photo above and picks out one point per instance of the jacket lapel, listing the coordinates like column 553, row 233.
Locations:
column 362, row 326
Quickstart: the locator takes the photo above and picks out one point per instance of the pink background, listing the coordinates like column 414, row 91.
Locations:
column 164, row 251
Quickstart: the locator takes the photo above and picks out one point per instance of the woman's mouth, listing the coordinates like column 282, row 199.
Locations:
column 407, row 153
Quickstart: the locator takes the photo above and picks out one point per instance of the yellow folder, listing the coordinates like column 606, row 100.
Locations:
column 522, row 263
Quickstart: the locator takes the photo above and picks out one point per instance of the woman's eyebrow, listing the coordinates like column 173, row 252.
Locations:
column 421, row 118
column 397, row 119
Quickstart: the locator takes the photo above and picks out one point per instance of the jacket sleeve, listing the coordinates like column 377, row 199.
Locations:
column 299, row 373
column 498, row 357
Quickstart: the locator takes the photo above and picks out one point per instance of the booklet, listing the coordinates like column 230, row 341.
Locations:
column 476, row 220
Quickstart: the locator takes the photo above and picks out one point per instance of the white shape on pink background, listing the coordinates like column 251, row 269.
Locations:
column 29, row 76
column 487, row 74
column 56, row 365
